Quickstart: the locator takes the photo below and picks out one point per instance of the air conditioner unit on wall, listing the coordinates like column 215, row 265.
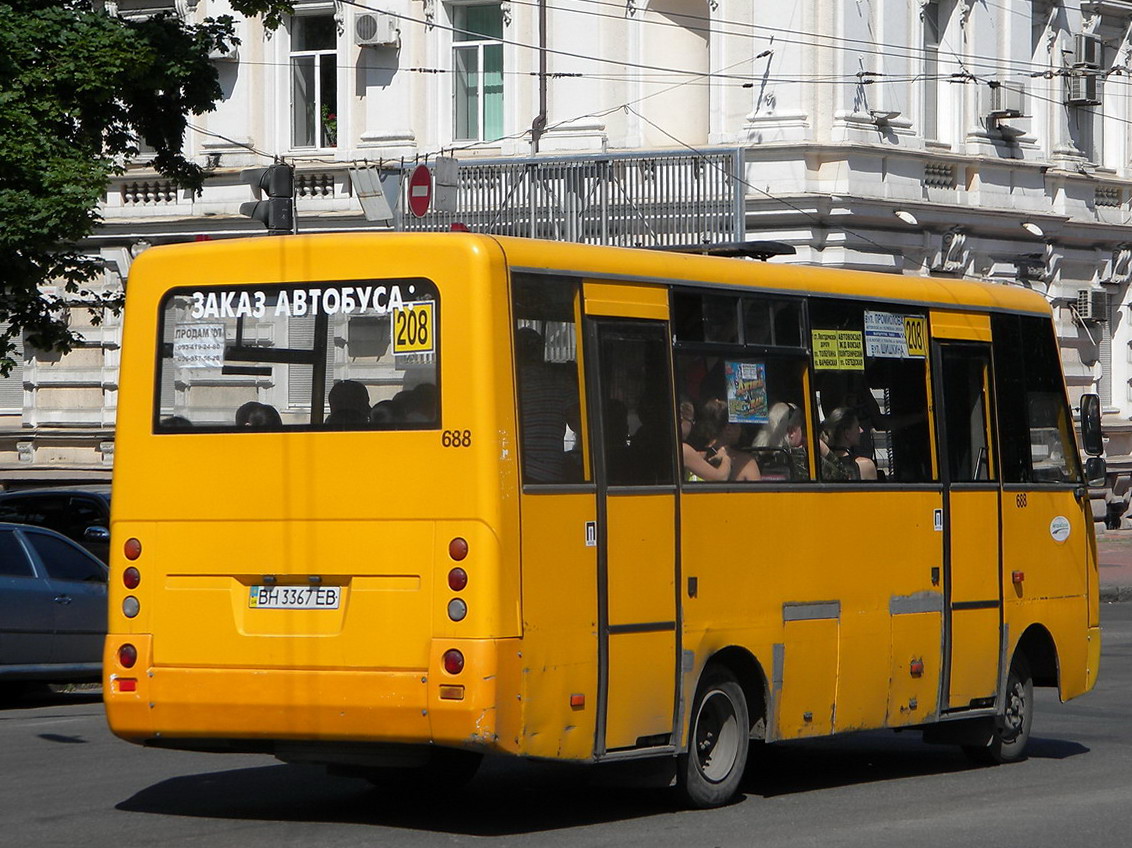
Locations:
column 1088, row 50
column 376, row 29
column 1008, row 100
column 1092, row 305
column 1083, row 89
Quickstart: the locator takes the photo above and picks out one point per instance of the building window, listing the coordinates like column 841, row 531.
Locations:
column 477, row 61
column 930, row 12
column 314, row 81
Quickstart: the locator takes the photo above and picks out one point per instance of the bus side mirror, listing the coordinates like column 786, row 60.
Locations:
column 1096, row 471
column 1091, row 425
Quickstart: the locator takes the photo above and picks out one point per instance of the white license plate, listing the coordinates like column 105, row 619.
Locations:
column 294, row 597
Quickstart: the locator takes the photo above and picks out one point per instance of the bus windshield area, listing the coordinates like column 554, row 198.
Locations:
column 346, row 355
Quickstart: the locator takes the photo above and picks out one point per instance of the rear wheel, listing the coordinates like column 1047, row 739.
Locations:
column 709, row 774
column 1011, row 730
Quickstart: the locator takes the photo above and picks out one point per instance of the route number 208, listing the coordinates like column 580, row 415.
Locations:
column 456, row 438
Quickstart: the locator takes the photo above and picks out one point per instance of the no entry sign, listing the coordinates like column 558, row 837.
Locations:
column 420, row 190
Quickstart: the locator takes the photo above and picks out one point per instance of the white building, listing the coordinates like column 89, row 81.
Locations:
column 989, row 141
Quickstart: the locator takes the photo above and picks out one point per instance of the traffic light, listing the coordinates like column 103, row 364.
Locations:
column 276, row 210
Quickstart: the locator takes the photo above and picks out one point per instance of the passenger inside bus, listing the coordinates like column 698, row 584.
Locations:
column 781, row 443
column 705, row 456
column 349, row 404
column 258, row 415
column 840, row 440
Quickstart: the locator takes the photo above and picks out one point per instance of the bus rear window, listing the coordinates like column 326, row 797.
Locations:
column 356, row 355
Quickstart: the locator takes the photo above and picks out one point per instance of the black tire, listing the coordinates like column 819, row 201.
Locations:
column 718, row 740
column 1011, row 732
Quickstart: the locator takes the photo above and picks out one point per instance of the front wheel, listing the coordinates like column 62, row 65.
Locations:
column 709, row 774
column 1012, row 727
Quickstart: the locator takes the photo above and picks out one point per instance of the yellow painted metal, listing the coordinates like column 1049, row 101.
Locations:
column 1053, row 594
column 640, row 592
column 975, row 578
column 559, row 645
column 963, row 326
column 752, row 552
column 626, row 301
column 641, row 690
column 913, row 695
column 809, row 678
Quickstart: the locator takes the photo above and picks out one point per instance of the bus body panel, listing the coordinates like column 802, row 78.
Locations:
column 560, row 631
column 330, row 507
column 801, row 558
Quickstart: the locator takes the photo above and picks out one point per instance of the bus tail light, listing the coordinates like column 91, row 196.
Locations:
column 453, row 661
column 127, row 655
column 457, row 579
column 458, row 549
column 131, row 577
column 126, row 684
column 132, row 549
column 131, row 606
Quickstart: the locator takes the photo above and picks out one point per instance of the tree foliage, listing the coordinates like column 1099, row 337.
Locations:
column 79, row 89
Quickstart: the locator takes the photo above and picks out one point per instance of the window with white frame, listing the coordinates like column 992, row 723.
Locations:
column 314, row 81
column 931, row 78
column 477, row 63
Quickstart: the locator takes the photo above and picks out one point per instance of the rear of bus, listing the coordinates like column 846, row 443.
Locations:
column 314, row 514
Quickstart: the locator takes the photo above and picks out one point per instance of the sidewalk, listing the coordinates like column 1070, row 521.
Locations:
column 1114, row 553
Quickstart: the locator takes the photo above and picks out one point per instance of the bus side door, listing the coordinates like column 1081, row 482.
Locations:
column 972, row 558
column 632, row 419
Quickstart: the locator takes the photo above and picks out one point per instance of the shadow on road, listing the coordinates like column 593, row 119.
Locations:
column 514, row 797
column 29, row 696
column 506, row 798
column 806, row 766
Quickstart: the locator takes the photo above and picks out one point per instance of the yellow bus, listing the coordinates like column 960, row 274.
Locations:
column 392, row 502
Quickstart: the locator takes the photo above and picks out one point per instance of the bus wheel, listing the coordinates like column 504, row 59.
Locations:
column 709, row 774
column 1011, row 730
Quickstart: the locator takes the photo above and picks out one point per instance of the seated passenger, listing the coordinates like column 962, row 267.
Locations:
column 744, row 468
column 840, row 438
column 785, row 431
column 705, row 457
column 258, row 415
column 349, row 404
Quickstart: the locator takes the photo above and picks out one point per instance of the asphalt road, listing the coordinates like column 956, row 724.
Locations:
column 65, row 781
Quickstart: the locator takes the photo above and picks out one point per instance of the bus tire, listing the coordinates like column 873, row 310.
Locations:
column 708, row 775
column 1011, row 731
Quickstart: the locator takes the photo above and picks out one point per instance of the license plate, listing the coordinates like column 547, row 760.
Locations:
column 294, row 597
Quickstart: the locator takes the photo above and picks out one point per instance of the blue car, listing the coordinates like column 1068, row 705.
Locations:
column 52, row 607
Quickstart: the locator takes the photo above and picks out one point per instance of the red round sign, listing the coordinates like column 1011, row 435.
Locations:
column 420, row 190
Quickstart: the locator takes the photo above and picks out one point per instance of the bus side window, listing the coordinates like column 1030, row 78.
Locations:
column 863, row 364
column 551, row 437
column 1035, row 428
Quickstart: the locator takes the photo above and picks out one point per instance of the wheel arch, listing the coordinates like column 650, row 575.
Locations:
column 1040, row 650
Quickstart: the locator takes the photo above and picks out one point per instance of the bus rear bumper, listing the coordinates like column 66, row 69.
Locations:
column 243, row 709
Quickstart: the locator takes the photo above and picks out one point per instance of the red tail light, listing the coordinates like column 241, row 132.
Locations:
column 458, row 549
column 132, row 549
column 131, row 577
column 457, row 579
column 453, row 661
column 127, row 656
